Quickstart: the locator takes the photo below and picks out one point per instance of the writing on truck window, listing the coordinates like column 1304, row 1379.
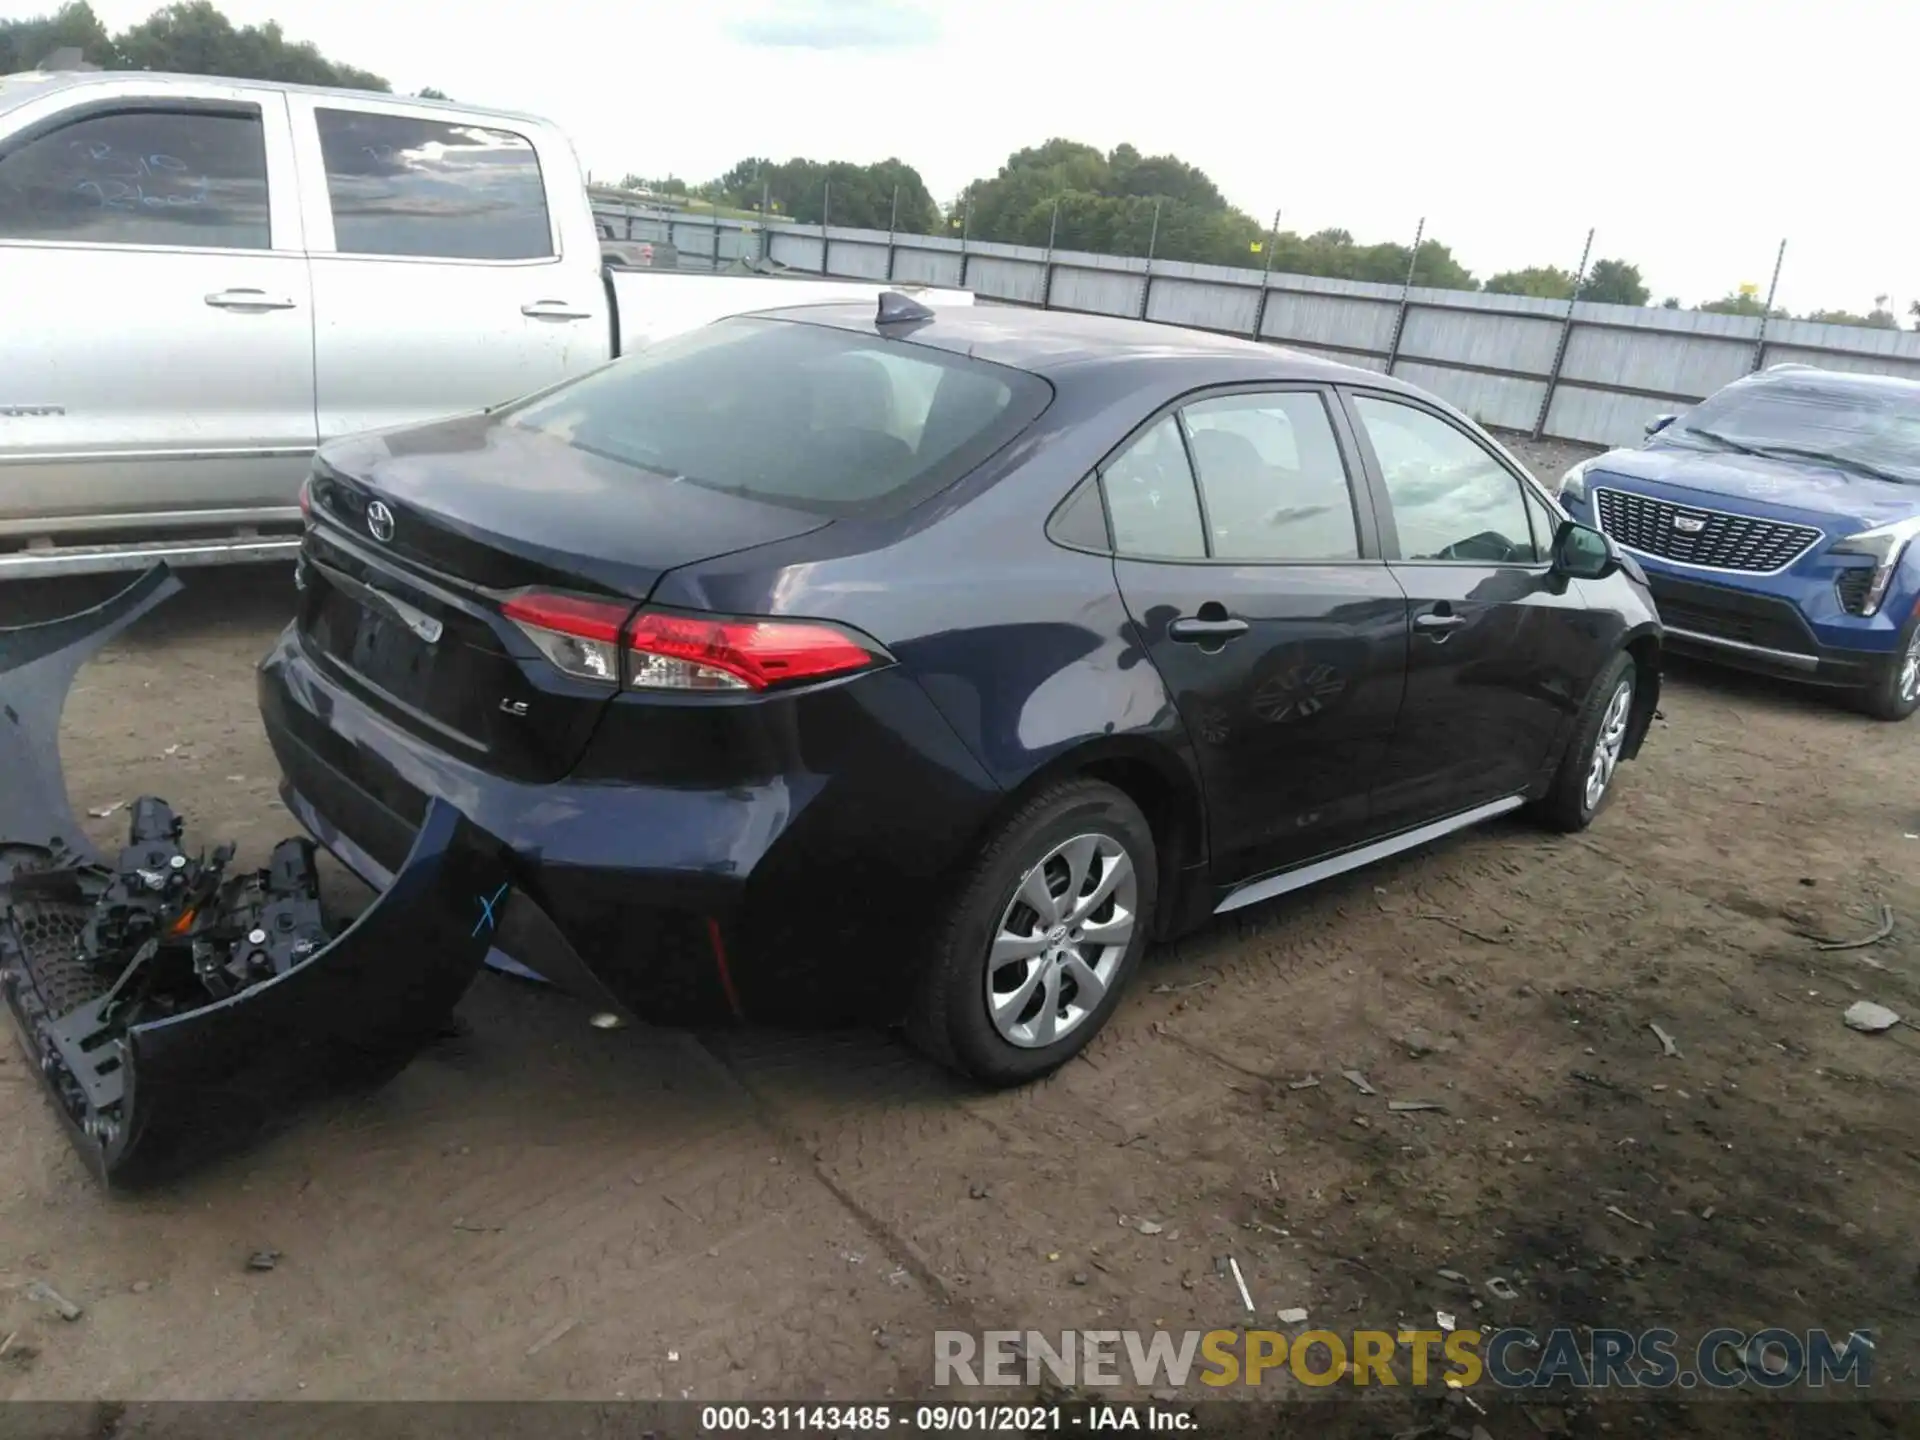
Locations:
column 140, row 177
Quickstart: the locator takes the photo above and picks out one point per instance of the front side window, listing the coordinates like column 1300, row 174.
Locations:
column 1451, row 499
column 1272, row 477
column 435, row 188
column 835, row 421
column 141, row 177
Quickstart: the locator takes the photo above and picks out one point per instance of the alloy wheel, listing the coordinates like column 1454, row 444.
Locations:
column 1910, row 671
column 1608, row 743
column 1060, row 940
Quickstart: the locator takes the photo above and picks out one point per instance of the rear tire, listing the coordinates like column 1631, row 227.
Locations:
column 1584, row 783
column 1040, row 937
column 1894, row 693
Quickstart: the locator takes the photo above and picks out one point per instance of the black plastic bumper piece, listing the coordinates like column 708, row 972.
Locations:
column 147, row 1089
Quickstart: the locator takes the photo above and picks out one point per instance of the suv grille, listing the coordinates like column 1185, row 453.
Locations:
column 1723, row 541
column 1851, row 586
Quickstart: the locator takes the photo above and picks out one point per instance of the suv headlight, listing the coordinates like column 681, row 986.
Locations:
column 1886, row 544
column 1573, row 484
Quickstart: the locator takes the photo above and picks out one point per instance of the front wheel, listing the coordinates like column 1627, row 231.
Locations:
column 1584, row 782
column 1040, row 936
column 1894, row 692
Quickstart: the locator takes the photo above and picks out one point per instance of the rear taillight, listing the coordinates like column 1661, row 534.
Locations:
column 691, row 652
column 684, row 653
column 581, row 637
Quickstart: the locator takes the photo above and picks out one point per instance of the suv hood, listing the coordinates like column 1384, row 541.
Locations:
column 1838, row 501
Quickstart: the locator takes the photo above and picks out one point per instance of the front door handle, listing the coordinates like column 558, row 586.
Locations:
column 1438, row 623
column 249, row 300
column 554, row 310
column 1189, row 631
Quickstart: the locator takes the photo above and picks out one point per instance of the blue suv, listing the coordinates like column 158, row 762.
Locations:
column 1773, row 520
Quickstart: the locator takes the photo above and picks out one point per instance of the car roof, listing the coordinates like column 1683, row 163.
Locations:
column 17, row 89
column 1813, row 377
column 1055, row 343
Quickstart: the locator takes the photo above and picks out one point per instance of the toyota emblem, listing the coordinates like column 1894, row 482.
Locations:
column 380, row 522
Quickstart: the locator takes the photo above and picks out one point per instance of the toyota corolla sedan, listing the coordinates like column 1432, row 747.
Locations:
column 838, row 662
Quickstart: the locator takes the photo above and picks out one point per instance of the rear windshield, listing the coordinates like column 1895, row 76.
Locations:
column 827, row 420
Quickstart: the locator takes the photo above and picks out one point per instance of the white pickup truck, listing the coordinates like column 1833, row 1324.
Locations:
column 202, row 280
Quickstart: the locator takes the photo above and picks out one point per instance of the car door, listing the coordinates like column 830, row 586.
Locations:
column 439, row 279
column 1501, row 642
column 1255, row 582
column 157, row 322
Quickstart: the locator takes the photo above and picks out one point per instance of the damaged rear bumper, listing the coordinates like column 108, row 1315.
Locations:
column 174, row 1009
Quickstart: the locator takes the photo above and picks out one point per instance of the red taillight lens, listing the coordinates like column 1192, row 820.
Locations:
column 580, row 636
column 692, row 653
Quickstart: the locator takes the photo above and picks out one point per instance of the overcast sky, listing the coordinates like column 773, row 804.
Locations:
column 1694, row 134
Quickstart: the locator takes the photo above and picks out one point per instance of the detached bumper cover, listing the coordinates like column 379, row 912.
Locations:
column 158, row 1053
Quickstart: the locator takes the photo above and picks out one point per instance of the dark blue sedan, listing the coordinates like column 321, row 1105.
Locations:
column 836, row 663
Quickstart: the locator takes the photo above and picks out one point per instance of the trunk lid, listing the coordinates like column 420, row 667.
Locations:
column 418, row 538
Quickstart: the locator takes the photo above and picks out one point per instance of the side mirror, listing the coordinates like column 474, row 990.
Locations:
column 1659, row 423
column 1582, row 552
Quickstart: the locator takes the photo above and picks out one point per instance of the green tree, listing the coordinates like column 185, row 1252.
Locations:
column 839, row 191
column 1672, row 302
column 431, row 94
column 1738, row 304
column 192, row 38
column 1545, row 282
column 1615, row 282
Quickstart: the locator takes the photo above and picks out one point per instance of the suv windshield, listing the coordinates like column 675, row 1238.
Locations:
column 835, row 421
column 1864, row 429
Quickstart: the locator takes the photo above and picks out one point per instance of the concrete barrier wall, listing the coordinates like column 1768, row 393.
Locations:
column 1585, row 372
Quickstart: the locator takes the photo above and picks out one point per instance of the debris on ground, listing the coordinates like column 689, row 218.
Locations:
column 1668, row 1045
column 1419, row 1044
column 107, row 812
column 1359, row 1082
column 1869, row 1018
column 263, row 1259
column 1312, row 1082
column 1444, row 1319
column 1465, row 930
column 1241, row 1281
column 42, row 1293
column 1408, row 1107
column 1295, row 1315
column 1501, row 1288
column 1880, row 932
column 556, row 1333
column 1079, row 1277
column 1453, row 1275
column 1148, row 1227
column 1617, row 1212
column 141, row 1287
column 1178, row 989
column 978, row 1192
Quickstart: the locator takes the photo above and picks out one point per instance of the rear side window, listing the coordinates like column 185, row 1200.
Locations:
column 411, row 187
column 141, row 177
column 835, row 421
column 1151, row 499
column 1274, row 482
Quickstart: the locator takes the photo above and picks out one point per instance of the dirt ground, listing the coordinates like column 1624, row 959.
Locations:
column 540, row 1209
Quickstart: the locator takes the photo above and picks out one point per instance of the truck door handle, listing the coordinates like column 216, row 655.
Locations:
column 249, row 300
column 1438, row 623
column 1189, row 631
column 554, row 310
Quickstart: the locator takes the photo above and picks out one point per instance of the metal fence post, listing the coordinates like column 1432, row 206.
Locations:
column 826, row 209
column 1566, row 334
column 1146, row 276
column 1266, row 270
column 893, row 224
column 966, row 229
column 1400, row 315
column 1766, row 312
column 715, row 247
column 766, row 219
column 1046, row 269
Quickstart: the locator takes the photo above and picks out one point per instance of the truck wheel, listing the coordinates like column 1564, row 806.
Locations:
column 1894, row 692
column 1040, row 936
column 1584, row 782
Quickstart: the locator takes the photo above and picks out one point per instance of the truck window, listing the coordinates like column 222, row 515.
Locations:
column 434, row 188
column 141, row 177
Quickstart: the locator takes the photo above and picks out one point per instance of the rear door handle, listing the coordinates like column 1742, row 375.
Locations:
column 249, row 300
column 1198, row 632
column 1437, row 623
column 554, row 310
